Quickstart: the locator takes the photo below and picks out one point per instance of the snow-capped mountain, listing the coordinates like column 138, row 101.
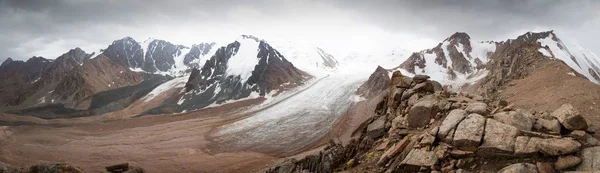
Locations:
column 458, row 61
column 247, row 68
column 158, row 56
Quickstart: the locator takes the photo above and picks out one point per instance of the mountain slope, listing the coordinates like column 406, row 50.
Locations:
column 246, row 68
column 158, row 56
column 457, row 61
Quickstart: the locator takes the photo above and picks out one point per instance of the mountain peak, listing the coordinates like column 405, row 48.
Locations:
column 251, row 37
column 459, row 36
column 7, row 61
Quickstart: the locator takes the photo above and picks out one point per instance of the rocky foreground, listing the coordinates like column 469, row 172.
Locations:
column 66, row 168
column 420, row 127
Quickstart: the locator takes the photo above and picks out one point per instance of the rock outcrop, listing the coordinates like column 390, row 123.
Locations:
column 448, row 134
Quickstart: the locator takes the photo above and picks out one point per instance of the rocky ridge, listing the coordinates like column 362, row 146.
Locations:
column 422, row 128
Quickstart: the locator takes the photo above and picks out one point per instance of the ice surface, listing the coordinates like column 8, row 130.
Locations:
column 572, row 54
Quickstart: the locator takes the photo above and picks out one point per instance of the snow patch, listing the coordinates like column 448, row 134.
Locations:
column 171, row 84
column 243, row 62
column 574, row 55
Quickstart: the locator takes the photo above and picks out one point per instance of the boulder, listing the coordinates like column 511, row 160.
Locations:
column 551, row 126
column 578, row 134
column 418, row 158
column 556, row 147
column 436, row 86
column 515, row 118
column 544, row 167
column 407, row 94
column 118, row 167
column 469, row 132
column 377, row 128
column 519, row 168
column 590, row 159
column 477, row 107
column 424, row 87
column 420, row 114
column 420, row 78
column 525, row 145
column 450, row 122
column 499, row 139
column 565, row 162
column 570, row 118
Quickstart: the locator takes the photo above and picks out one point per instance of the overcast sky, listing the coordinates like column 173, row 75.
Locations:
column 51, row 27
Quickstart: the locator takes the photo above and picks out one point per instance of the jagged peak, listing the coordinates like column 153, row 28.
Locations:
column 125, row 39
column 251, row 37
column 459, row 36
column 7, row 61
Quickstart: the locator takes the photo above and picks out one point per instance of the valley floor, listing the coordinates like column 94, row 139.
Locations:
column 216, row 139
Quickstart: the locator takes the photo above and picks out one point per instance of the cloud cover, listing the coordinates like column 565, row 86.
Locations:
column 51, row 27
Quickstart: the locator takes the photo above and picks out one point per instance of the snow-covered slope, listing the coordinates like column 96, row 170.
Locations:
column 458, row 61
column 159, row 56
column 573, row 54
column 454, row 62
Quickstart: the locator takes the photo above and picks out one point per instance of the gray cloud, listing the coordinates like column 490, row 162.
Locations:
column 49, row 27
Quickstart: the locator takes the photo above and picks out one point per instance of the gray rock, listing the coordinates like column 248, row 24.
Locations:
column 420, row 78
column 420, row 114
column 570, row 118
column 556, row 147
column 418, row 158
column 377, row 128
column 424, row 87
column 515, row 118
column 392, row 151
column 477, row 107
column 499, row 139
column 450, row 122
column 55, row 168
column 590, row 159
column 469, row 132
column 552, row 126
column 436, row 86
column 519, row 168
column 525, row 145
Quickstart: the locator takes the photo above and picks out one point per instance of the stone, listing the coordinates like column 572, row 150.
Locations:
column 420, row 78
column 414, row 99
column 427, row 140
column 437, row 87
column 515, row 118
column 460, row 153
column 469, row 132
column 407, row 94
column 544, row 167
column 392, row 151
column 498, row 140
column 420, row 114
column 405, row 82
column 462, row 171
column 118, row 167
column 570, row 118
column 418, row 158
column 591, row 141
column 590, row 159
column 377, row 128
column 556, row 147
column 519, row 168
column 383, row 145
column 551, row 126
column 477, row 107
column 578, row 134
column 525, row 145
column 424, row 87
column 449, row 137
column 565, row 162
column 450, row 122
